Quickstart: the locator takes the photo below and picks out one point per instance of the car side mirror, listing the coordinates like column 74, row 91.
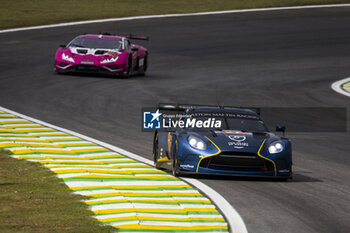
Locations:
column 62, row 46
column 134, row 49
column 281, row 128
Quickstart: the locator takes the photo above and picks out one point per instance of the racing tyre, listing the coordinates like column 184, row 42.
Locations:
column 145, row 65
column 175, row 167
column 155, row 151
column 290, row 177
column 57, row 71
column 129, row 69
column 282, row 179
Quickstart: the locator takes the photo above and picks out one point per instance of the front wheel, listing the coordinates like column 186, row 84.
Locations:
column 290, row 177
column 57, row 71
column 175, row 166
column 155, row 151
column 129, row 68
column 145, row 64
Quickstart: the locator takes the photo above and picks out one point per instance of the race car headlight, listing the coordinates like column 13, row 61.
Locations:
column 113, row 59
column 276, row 147
column 197, row 143
column 67, row 58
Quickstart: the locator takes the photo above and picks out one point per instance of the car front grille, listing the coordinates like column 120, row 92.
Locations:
column 100, row 52
column 82, row 51
column 237, row 161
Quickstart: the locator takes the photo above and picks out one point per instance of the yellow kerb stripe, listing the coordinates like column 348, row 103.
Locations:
column 145, row 218
column 129, row 194
column 124, row 210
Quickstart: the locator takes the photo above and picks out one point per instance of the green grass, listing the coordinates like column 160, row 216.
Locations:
column 33, row 199
column 19, row 13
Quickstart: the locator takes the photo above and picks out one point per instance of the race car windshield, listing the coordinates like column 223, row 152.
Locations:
column 249, row 125
column 83, row 42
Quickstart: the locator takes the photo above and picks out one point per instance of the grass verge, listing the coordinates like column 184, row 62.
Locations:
column 19, row 13
column 33, row 199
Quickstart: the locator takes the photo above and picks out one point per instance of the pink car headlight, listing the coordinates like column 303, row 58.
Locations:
column 111, row 60
column 67, row 58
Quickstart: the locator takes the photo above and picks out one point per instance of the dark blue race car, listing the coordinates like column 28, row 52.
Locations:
column 240, row 145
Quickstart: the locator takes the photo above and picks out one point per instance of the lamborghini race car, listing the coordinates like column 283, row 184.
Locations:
column 240, row 144
column 104, row 53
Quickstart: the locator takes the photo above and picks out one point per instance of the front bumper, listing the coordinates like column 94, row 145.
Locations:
column 109, row 69
column 229, row 163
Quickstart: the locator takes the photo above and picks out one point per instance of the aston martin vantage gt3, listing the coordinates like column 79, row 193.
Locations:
column 235, row 141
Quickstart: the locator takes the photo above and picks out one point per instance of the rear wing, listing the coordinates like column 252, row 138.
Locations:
column 130, row 36
column 136, row 37
column 184, row 107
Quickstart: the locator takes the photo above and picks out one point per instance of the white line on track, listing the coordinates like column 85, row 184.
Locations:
column 234, row 220
column 336, row 86
column 172, row 15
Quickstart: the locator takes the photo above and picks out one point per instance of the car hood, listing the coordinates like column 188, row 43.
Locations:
column 229, row 140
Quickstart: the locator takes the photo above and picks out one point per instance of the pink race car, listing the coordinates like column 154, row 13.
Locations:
column 104, row 53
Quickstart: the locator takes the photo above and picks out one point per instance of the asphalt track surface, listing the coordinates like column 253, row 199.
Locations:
column 268, row 59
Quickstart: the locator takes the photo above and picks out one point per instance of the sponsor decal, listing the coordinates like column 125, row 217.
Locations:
column 112, row 53
column 87, row 62
column 284, row 170
column 186, row 166
column 230, row 132
column 237, row 138
column 237, row 141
